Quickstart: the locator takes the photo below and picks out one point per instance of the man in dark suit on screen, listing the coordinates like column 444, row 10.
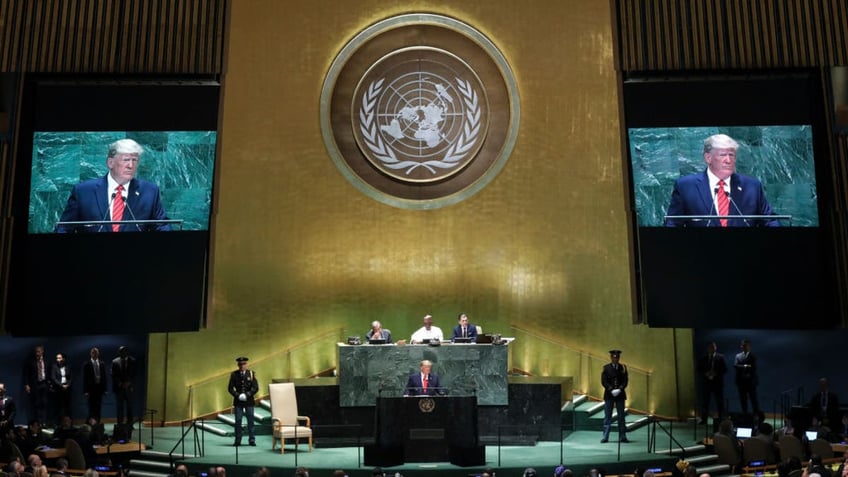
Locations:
column 117, row 196
column 719, row 191
column 424, row 383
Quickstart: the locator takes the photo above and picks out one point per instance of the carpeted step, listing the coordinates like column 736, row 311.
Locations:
column 151, row 465
column 640, row 421
column 703, row 460
column 145, row 473
column 717, row 469
column 164, row 456
column 691, row 450
column 216, row 429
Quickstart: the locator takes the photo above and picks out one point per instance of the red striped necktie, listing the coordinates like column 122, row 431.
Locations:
column 723, row 203
column 117, row 208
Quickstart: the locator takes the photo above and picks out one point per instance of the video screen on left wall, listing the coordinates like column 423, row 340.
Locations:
column 171, row 182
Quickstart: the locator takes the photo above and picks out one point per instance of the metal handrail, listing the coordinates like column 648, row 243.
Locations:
column 199, row 442
column 652, row 435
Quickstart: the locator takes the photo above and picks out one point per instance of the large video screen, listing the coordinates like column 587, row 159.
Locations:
column 771, row 172
column 71, row 172
column 112, row 155
column 730, row 199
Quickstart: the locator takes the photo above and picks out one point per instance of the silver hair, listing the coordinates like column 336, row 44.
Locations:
column 719, row 141
column 125, row 146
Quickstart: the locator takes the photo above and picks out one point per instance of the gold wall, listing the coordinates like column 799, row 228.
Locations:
column 299, row 253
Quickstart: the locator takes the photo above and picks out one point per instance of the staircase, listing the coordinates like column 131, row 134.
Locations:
column 152, row 463
column 588, row 414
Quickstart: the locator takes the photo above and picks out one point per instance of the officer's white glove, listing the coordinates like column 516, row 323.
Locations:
column 242, row 397
column 615, row 392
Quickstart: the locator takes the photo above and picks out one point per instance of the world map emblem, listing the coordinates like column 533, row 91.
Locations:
column 419, row 111
column 423, row 118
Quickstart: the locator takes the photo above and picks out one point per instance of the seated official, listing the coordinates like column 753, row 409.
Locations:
column 378, row 333
column 427, row 332
column 117, row 196
column 464, row 329
column 424, row 383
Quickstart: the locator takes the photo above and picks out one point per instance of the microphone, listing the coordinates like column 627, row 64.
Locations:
column 737, row 209
column 127, row 204
column 108, row 209
column 713, row 209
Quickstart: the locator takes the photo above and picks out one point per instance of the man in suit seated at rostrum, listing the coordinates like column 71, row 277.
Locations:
column 378, row 333
column 424, row 383
column 464, row 329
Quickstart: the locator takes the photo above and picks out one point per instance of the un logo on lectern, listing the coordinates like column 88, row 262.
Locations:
column 426, row 404
column 419, row 111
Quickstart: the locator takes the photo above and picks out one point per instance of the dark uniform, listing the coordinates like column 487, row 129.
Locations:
column 746, row 378
column 614, row 377
column 243, row 387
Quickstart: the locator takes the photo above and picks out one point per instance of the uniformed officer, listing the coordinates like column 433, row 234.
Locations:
column 243, row 386
column 614, row 381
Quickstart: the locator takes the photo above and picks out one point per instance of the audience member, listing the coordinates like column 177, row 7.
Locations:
column 91, row 473
column 62, row 467
column 301, row 472
column 559, row 471
column 529, row 472
column 817, row 467
column 262, row 472
column 339, row 473
column 825, row 406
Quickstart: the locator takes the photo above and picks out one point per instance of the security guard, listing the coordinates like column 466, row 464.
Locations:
column 614, row 381
column 243, row 386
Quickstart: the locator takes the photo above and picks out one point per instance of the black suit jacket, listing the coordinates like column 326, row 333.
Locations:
column 830, row 413
column 89, row 383
column 712, row 370
column 7, row 411
column 56, row 376
column 471, row 331
column 746, row 370
column 123, row 377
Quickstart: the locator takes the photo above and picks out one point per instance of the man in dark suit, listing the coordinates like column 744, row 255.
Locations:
column 94, row 383
column 824, row 406
column 123, row 378
column 117, row 196
column 7, row 411
column 61, row 380
column 464, row 329
column 746, row 377
column 37, row 384
column 424, row 383
column 719, row 191
column 243, row 387
column 711, row 369
column 614, row 380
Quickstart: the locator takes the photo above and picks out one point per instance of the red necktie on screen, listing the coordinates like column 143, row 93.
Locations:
column 424, row 383
column 117, row 208
column 723, row 203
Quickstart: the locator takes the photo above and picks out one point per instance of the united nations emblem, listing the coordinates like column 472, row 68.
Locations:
column 419, row 111
column 426, row 404
column 423, row 117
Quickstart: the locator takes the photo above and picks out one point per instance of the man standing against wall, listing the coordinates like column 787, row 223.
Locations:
column 746, row 378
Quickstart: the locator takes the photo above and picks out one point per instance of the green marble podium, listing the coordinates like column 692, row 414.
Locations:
column 464, row 370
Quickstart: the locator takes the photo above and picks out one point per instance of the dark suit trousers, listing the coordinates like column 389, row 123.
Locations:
column 748, row 391
column 95, row 404
column 712, row 389
column 124, row 404
column 38, row 401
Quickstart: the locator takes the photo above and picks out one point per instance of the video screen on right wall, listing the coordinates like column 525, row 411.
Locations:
column 773, row 174
column 730, row 195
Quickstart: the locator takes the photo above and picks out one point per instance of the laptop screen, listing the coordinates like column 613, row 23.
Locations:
column 743, row 432
column 812, row 435
column 376, row 341
column 459, row 339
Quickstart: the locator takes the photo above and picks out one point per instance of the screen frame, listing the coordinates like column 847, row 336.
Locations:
column 738, row 98
column 68, row 265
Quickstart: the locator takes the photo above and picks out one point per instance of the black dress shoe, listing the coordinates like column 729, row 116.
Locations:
column 624, row 440
column 236, row 444
column 252, row 444
column 604, row 440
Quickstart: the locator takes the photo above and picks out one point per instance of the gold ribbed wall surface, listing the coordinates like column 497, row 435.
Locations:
column 660, row 35
column 112, row 36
